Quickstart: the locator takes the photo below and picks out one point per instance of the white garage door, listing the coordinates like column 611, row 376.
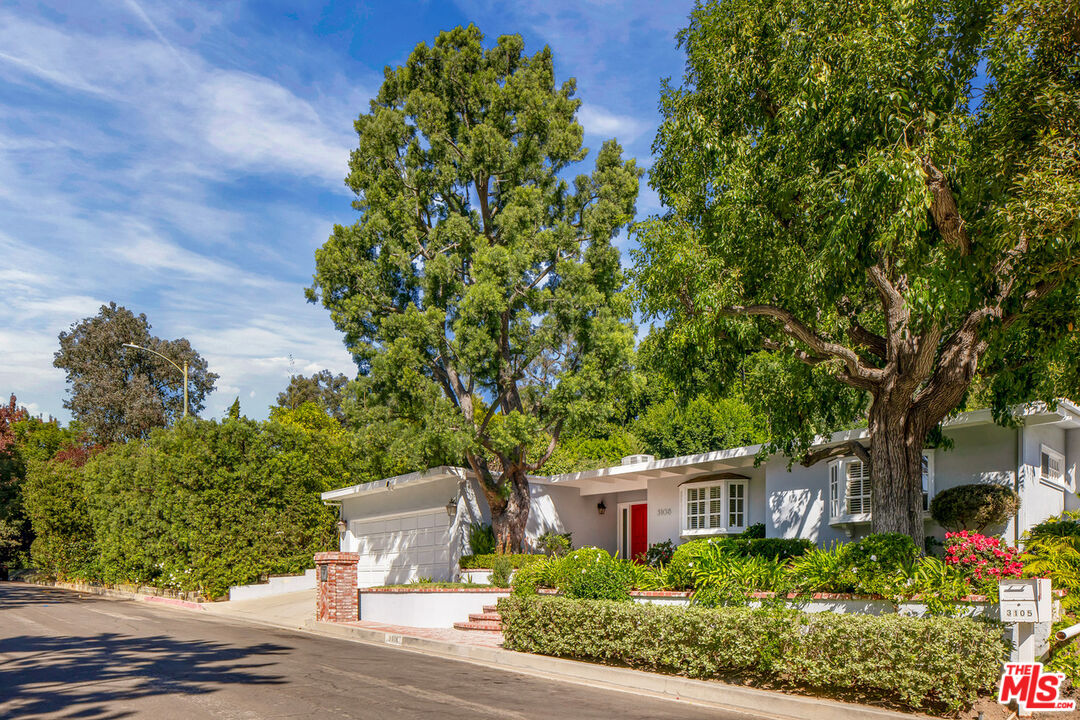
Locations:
column 402, row 548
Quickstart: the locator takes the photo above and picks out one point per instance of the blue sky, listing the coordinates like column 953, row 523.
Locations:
column 185, row 160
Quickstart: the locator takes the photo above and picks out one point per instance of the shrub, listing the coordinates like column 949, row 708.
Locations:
column 723, row 577
column 474, row 562
column 534, row 575
column 481, row 539
column 822, row 570
column 925, row 663
column 555, row 544
column 500, row 571
column 974, row 507
column 659, row 554
column 196, row 508
column 679, row 572
column 754, row 532
column 984, row 559
column 592, row 574
column 645, row 577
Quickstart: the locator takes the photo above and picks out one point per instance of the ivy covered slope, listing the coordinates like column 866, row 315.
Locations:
column 196, row 507
column 479, row 290
column 883, row 199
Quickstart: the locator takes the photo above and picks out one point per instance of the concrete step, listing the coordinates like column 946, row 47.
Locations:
column 485, row 617
column 489, row 626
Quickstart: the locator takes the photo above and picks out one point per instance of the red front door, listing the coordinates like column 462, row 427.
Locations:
column 639, row 530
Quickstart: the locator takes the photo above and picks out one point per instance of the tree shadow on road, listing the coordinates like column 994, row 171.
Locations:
column 84, row 676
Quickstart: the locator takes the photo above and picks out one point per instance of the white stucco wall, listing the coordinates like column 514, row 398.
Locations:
column 565, row 509
column 1072, row 465
column 795, row 502
column 1038, row 500
column 980, row 454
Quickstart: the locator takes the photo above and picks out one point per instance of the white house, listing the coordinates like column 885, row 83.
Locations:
column 416, row 525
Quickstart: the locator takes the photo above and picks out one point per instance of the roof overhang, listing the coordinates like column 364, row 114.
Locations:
column 443, row 472
column 422, row 477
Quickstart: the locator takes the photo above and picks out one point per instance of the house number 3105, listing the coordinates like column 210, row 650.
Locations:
column 663, row 511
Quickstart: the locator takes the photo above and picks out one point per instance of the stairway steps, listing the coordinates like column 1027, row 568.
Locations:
column 485, row 617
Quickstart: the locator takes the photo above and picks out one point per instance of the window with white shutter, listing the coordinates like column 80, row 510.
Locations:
column 857, row 476
column 715, row 507
column 1051, row 466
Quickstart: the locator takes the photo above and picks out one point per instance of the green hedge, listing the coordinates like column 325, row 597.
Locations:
column 939, row 664
column 487, row 561
column 197, row 507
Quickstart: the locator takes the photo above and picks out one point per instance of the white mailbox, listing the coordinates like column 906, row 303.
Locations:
column 1025, row 601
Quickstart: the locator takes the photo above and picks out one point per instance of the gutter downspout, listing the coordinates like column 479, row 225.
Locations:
column 1017, row 482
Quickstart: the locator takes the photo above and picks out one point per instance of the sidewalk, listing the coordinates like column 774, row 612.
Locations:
column 289, row 610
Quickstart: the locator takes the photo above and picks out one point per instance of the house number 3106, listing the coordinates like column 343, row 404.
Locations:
column 663, row 511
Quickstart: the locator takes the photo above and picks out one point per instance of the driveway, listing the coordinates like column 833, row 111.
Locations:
column 66, row 655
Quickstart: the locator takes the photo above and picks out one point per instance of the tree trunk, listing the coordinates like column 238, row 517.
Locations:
column 509, row 515
column 896, row 470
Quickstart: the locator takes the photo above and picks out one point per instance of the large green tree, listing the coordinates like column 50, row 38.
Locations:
column 323, row 388
column 119, row 393
column 884, row 196
column 476, row 271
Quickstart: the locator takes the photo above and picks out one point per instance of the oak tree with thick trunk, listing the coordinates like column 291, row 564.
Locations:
column 884, row 195
column 479, row 291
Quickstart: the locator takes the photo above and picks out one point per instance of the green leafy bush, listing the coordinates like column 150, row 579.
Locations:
column 593, row 574
column 534, row 575
column 822, row 570
column 500, row 571
column 659, row 554
column 754, row 532
column 197, row 507
column 679, row 574
column 939, row 664
column 481, row 539
column 487, row 562
column 974, row 507
column 555, row 544
column 723, row 577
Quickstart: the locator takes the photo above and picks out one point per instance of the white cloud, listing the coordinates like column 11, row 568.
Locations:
column 598, row 121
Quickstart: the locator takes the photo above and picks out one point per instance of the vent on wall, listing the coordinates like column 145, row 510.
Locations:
column 635, row 459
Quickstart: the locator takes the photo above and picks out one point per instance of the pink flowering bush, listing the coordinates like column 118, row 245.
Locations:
column 982, row 559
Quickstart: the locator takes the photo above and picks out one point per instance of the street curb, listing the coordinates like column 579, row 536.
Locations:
column 122, row 594
column 748, row 700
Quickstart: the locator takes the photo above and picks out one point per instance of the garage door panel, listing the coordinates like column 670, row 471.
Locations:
column 401, row 549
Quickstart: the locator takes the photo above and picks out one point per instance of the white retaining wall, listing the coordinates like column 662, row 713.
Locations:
column 278, row 585
column 424, row 609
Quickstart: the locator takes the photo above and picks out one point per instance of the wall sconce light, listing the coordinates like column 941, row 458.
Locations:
column 451, row 507
column 342, row 526
column 601, row 507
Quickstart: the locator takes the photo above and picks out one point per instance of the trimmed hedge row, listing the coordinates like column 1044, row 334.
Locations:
column 938, row 663
column 487, row 560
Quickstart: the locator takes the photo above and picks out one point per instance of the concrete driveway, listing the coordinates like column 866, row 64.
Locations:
column 66, row 655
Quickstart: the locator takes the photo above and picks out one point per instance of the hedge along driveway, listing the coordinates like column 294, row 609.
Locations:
column 938, row 664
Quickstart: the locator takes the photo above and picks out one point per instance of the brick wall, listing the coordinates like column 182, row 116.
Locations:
column 335, row 578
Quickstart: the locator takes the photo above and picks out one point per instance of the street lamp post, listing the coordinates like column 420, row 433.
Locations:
column 183, row 370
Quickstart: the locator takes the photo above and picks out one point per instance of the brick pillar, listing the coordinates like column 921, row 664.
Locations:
column 335, row 575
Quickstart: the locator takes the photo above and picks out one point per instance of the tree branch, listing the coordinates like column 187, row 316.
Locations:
column 851, row 447
column 857, row 372
column 943, row 208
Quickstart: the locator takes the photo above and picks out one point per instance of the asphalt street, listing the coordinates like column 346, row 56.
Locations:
column 69, row 655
